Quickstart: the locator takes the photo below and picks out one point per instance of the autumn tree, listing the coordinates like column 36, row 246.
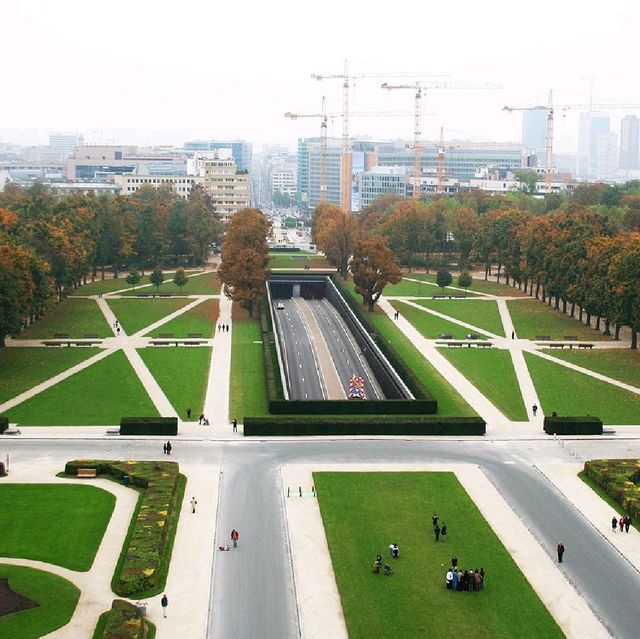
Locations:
column 373, row 266
column 245, row 258
column 180, row 278
column 203, row 225
column 334, row 233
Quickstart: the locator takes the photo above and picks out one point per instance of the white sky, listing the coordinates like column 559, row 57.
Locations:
column 158, row 71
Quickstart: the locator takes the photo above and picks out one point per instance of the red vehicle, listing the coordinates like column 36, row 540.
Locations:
column 356, row 388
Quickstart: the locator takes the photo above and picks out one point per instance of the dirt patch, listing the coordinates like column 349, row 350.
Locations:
column 11, row 601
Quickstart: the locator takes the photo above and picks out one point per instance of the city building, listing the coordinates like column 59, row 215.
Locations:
column 62, row 145
column 308, row 188
column 534, row 130
column 629, row 142
column 284, row 179
column 228, row 186
column 591, row 125
column 606, row 156
column 383, row 180
column 181, row 184
column 241, row 151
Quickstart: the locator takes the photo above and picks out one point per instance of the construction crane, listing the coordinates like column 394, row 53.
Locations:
column 417, row 117
column 345, row 181
column 548, row 173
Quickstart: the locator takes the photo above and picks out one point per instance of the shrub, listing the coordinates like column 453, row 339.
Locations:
column 618, row 478
column 4, row 424
column 3, row 471
column 125, row 621
column 572, row 425
column 353, row 407
column 149, row 426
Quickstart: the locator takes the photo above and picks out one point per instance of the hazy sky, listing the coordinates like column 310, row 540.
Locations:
column 163, row 72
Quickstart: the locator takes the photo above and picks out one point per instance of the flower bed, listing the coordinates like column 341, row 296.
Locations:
column 125, row 621
column 146, row 554
column 618, row 478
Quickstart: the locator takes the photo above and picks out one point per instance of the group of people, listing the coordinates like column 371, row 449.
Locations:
column 223, row 328
column 202, row 420
column 235, row 536
column 439, row 530
column 464, row 581
column 623, row 522
column 378, row 563
column 166, row 448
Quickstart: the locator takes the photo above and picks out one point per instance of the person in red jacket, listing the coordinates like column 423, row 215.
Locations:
column 235, row 535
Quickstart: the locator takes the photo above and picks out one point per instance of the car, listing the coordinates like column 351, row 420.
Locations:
column 280, row 306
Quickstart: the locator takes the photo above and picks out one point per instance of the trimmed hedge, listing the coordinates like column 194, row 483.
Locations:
column 125, row 621
column 4, row 424
column 147, row 551
column 269, row 353
column 572, row 425
column 380, row 425
column 618, row 478
column 149, row 426
column 353, row 407
column 284, row 249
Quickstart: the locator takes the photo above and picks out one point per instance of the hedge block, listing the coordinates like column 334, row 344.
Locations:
column 573, row 425
column 354, row 407
column 4, row 424
column 167, row 426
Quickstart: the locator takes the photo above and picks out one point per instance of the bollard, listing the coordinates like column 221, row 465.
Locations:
column 313, row 490
column 288, row 489
column 300, row 490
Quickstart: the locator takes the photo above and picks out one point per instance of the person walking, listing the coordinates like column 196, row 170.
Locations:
column 193, row 503
column 164, row 449
column 614, row 523
column 235, row 535
column 436, row 532
column 443, row 531
column 234, row 423
column 169, row 447
column 434, row 520
column 201, row 419
column 621, row 524
column 560, row 552
column 627, row 522
column 534, row 409
column 188, row 413
column 513, row 334
column 164, row 602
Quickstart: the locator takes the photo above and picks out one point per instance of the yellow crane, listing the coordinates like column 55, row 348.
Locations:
column 548, row 173
column 418, row 86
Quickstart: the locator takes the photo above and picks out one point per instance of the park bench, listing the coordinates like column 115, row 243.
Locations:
column 61, row 336
column 570, row 338
column 12, row 431
column 557, row 345
column 164, row 294
column 585, row 345
column 546, row 338
column 473, row 336
column 484, row 344
column 91, row 336
column 85, row 342
column 50, row 343
column 166, row 335
column 143, row 295
column 113, row 431
column 86, row 472
column 194, row 335
column 456, row 344
column 457, row 297
column 438, row 297
column 445, row 336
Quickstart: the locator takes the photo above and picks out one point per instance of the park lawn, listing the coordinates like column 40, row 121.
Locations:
column 55, row 523
column 23, row 368
column 571, row 393
column 57, row 599
column 424, row 288
column 200, row 319
column 428, row 325
column 135, row 314
column 98, row 395
column 491, row 372
column 182, row 373
column 481, row 313
column 198, row 283
column 76, row 317
column 478, row 285
column 450, row 402
column 533, row 317
column 107, row 286
column 363, row 513
column 248, row 388
column 297, row 260
column 620, row 364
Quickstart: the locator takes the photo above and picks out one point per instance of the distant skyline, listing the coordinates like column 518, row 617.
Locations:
column 162, row 73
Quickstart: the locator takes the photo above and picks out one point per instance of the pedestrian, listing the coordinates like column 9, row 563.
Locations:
column 454, row 579
column 235, row 535
column 164, row 449
column 534, row 409
column 443, row 531
column 614, row 523
column 205, row 422
column 164, row 602
column 560, row 552
column 621, row 524
column 117, row 330
column 436, row 532
column 227, row 328
column 169, row 447
column 193, row 503
column 481, row 578
column 434, row 520
column 513, row 334
column 627, row 522
column 449, row 579
column 201, row 419
column 235, row 425
column 454, row 562
column 188, row 413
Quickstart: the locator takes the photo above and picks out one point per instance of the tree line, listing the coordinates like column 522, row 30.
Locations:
column 49, row 245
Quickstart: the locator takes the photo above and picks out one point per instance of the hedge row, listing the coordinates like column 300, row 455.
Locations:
column 416, row 387
column 166, row 426
column 4, row 424
column 284, row 249
column 380, row 425
column 147, row 551
column 125, row 621
column 573, row 425
column 270, row 356
column 352, row 407
column 618, row 478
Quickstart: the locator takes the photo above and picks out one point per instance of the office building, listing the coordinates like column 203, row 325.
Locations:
column 61, row 145
column 283, row 179
column 241, row 151
column 606, row 156
column 591, row 125
column 383, row 180
column 181, row 184
column 629, row 142
column 534, row 130
column 228, row 186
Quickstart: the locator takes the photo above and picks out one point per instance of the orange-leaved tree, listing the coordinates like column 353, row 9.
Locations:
column 334, row 233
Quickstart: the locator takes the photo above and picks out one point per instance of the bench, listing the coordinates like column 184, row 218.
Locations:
column 585, row 345
column 457, row 344
column 164, row 294
column 85, row 342
column 457, row 297
column 194, row 335
column 445, row 336
column 91, row 336
column 86, row 472
column 50, row 343
column 143, row 295
column 113, row 431
column 12, row 431
column 177, row 342
column 570, row 338
column 557, row 345
column 543, row 337
column 484, row 344
column 438, row 297
column 166, row 335
column 61, row 336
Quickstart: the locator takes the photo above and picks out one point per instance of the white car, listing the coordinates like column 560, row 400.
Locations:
column 280, row 306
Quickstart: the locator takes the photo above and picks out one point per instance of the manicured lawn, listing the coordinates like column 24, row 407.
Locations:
column 364, row 512
column 450, row 402
column 296, row 260
column 425, row 288
column 107, row 286
column 134, row 315
column 248, row 390
column 477, row 286
column 429, row 325
column 491, row 372
column 198, row 283
column 57, row 598
column 23, row 368
column 481, row 313
column 100, row 394
column 182, row 374
column 571, row 393
column 533, row 317
column 54, row 523
column 200, row 319
column 620, row 364
column 74, row 317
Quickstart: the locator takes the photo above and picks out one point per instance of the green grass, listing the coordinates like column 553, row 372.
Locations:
column 406, row 288
column 364, row 512
column 107, row 286
column 533, row 317
column 620, row 364
column 57, row 524
column 57, row 598
column 492, row 373
column 477, row 286
column 74, row 317
column 429, row 325
column 248, row 389
column 197, row 284
column 481, row 313
column 450, row 402
column 182, row 374
column 200, row 319
column 571, row 393
column 100, row 394
column 296, row 260
column 135, row 314
column 23, row 368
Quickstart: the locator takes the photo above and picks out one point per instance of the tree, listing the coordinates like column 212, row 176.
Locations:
column 373, row 266
column 334, row 233
column 443, row 278
column 528, row 181
column 134, row 277
column 465, row 279
column 203, row 225
column 156, row 277
column 180, row 278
